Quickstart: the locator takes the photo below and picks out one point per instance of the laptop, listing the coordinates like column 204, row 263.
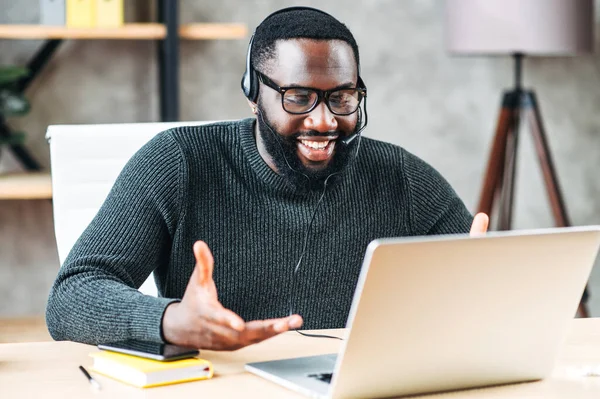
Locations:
column 442, row 313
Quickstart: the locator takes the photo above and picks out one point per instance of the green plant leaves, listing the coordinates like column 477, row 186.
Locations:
column 15, row 138
column 10, row 74
column 13, row 104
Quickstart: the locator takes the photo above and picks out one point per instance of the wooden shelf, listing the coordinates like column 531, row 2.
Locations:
column 144, row 31
column 39, row 185
column 212, row 31
column 16, row 186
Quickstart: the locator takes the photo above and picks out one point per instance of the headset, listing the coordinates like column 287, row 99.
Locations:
column 250, row 79
column 250, row 88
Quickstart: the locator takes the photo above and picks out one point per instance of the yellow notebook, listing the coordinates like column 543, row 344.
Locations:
column 109, row 13
column 145, row 373
column 81, row 13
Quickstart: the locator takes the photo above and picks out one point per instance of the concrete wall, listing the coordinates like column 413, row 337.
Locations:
column 442, row 108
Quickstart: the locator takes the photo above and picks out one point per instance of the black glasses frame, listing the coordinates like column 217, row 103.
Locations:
column 321, row 94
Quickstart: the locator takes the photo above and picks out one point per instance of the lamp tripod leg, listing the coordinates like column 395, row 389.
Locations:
column 510, row 166
column 545, row 159
column 550, row 177
column 492, row 183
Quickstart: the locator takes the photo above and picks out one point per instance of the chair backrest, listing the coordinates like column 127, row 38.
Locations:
column 85, row 161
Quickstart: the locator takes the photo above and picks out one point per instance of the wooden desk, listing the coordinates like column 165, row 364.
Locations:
column 49, row 370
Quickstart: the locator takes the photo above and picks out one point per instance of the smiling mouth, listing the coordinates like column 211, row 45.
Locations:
column 317, row 149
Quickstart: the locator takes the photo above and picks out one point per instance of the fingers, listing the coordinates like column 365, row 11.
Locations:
column 259, row 330
column 204, row 263
column 288, row 323
column 480, row 224
column 221, row 337
column 218, row 336
column 225, row 317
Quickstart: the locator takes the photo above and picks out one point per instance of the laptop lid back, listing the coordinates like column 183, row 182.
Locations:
column 442, row 313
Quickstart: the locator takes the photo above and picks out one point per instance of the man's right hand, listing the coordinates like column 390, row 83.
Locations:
column 200, row 321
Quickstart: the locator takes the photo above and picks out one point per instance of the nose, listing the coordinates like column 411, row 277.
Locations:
column 321, row 119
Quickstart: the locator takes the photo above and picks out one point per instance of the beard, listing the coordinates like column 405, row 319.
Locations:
column 283, row 150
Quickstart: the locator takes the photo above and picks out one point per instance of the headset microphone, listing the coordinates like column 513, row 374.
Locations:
column 350, row 138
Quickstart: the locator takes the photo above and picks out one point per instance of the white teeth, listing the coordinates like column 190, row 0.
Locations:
column 317, row 145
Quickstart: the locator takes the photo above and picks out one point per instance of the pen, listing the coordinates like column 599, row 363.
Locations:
column 89, row 377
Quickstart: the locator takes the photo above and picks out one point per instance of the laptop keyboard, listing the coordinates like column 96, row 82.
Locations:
column 325, row 377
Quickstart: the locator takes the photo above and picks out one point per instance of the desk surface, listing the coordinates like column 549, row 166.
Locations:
column 50, row 370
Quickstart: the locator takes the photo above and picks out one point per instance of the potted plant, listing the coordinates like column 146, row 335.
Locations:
column 12, row 102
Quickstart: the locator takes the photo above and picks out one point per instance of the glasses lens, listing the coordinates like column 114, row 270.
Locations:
column 299, row 100
column 344, row 101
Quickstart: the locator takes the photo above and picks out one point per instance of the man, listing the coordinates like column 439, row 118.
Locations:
column 287, row 203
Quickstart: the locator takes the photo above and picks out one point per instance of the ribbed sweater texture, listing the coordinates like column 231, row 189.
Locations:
column 210, row 183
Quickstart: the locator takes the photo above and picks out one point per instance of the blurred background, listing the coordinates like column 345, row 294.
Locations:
column 440, row 106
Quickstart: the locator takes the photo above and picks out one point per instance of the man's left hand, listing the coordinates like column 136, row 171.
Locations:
column 480, row 224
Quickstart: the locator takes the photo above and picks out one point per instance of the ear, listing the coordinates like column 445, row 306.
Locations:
column 253, row 107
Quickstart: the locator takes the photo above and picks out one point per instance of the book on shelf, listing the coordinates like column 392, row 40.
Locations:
column 146, row 373
column 109, row 13
column 81, row 13
column 52, row 12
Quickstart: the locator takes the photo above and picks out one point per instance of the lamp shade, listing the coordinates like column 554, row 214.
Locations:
column 531, row 27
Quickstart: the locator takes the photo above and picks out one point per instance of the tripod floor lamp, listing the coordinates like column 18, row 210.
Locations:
column 519, row 28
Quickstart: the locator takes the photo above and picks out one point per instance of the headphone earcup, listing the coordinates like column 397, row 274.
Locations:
column 249, row 77
column 250, row 85
column 246, row 85
column 253, row 88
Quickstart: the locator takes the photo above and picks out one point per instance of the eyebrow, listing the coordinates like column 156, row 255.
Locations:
column 347, row 85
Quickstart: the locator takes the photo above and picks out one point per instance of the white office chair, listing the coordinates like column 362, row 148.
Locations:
column 85, row 161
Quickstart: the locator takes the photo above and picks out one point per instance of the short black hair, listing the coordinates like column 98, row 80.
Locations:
column 297, row 24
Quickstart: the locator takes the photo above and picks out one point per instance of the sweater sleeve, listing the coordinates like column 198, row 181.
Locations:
column 435, row 208
column 95, row 297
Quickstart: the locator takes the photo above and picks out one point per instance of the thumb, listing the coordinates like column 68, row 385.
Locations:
column 204, row 263
column 480, row 224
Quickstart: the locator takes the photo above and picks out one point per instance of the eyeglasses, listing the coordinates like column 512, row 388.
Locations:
column 302, row 100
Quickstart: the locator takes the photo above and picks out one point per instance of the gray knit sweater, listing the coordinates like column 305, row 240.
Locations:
column 210, row 183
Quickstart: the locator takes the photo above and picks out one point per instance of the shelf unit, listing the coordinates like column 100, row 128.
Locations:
column 30, row 185
column 167, row 32
column 142, row 31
